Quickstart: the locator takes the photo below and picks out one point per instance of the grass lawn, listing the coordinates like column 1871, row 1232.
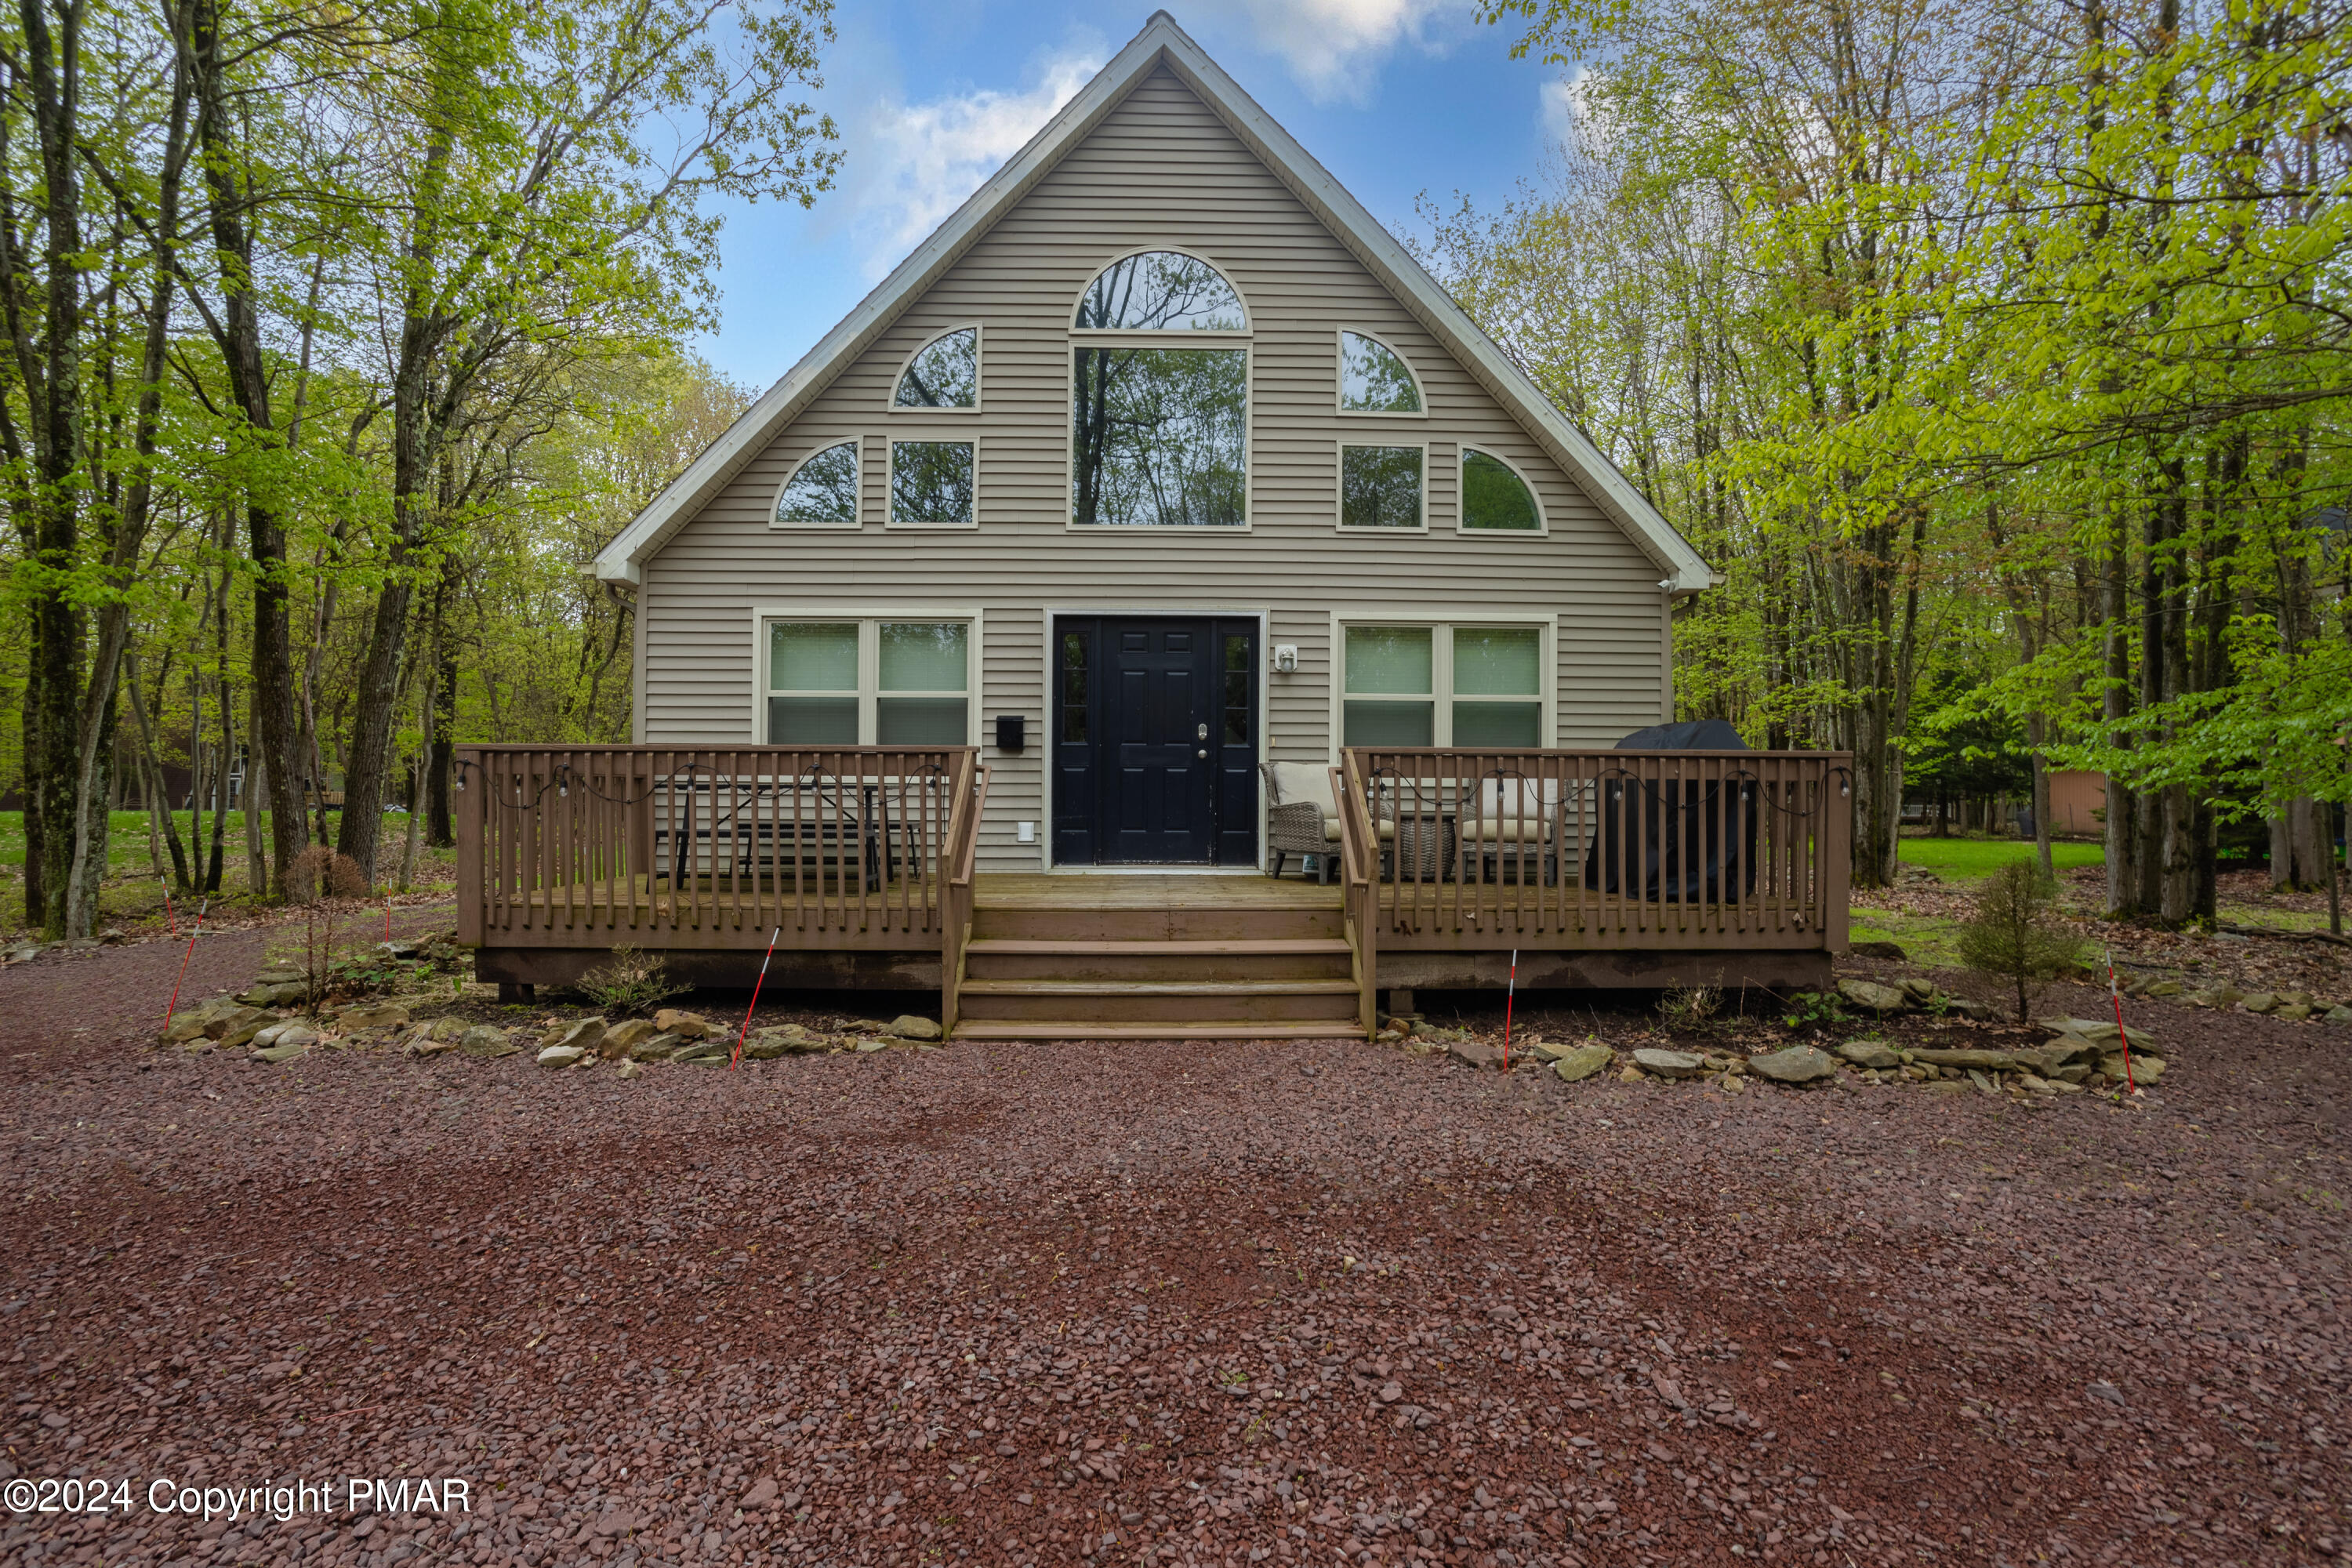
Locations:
column 130, row 891
column 1967, row 859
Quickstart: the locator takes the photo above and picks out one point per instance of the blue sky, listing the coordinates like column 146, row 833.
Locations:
column 1394, row 97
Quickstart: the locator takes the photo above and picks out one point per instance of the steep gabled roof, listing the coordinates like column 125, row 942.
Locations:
column 1161, row 43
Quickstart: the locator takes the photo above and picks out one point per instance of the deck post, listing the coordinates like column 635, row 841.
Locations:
column 1837, row 891
column 469, row 818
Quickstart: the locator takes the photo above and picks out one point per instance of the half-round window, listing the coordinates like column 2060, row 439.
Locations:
column 1374, row 378
column 1162, row 291
column 1495, row 496
column 822, row 491
column 945, row 374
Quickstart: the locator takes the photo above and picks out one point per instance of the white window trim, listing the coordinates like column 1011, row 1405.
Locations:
column 889, row 462
column 869, row 661
column 776, row 502
column 1249, row 317
column 1239, row 342
column 1462, row 450
column 1339, row 486
column 978, row 373
column 1441, row 665
column 1340, row 377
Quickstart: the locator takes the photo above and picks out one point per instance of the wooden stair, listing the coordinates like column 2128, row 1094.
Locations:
column 1198, row 967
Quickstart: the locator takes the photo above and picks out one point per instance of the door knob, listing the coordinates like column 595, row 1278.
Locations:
column 1202, row 754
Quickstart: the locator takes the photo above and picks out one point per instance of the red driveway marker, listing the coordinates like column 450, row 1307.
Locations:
column 193, row 934
column 1508, row 997
column 741, row 1033
column 2117, row 998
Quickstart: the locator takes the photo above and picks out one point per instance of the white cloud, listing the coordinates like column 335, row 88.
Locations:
column 921, row 160
column 1333, row 46
column 1561, row 103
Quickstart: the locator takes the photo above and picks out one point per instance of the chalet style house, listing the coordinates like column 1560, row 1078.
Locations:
column 1159, row 517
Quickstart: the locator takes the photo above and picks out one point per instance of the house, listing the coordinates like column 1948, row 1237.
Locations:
column 1159, row 461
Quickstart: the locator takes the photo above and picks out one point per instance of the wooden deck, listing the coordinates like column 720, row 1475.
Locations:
column 859, row 865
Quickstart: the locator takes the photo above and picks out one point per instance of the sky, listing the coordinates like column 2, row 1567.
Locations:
column 1396, row 98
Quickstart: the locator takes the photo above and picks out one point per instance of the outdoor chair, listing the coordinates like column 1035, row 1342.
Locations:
column 1303, row 818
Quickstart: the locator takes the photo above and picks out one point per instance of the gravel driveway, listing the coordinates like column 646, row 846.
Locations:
column 1159, row 1303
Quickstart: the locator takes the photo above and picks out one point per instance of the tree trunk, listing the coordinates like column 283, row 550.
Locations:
column 2114, row 707
column 440, row 828
column 247, row 372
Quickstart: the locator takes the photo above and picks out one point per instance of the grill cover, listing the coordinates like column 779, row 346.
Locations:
column 1672, row 834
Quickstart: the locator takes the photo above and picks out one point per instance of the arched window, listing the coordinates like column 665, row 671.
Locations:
column 1160, row 430
column 1161, row 291
column 822, row 491
column 1374, row 378
column 1495, row 496
column 944, row 372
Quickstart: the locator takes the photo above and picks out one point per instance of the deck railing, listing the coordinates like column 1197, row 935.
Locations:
column 1603, row 849
column 591, row 846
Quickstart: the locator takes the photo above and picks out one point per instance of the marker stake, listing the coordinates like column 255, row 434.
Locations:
column 197, row 931
column 2117, row 998
column 1511, row 997
column 745, row 1031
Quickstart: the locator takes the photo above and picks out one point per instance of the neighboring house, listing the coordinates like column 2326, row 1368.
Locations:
column 1155, row 482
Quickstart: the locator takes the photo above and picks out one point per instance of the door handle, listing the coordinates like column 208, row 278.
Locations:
column 1202, row 754
column 1201, row 733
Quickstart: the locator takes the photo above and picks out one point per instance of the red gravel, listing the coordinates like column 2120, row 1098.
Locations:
column 1165, row 1303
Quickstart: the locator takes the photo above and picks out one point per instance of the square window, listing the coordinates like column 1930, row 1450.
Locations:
column 871, row 683
column 1380, row 487
column 1470, row 686
column 931, row 484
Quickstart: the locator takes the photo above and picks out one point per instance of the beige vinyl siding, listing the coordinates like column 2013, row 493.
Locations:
column 1161, row 170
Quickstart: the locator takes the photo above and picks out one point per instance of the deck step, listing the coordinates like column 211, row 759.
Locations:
column 1057, row 1029
column 1183, row 949
column 1158, row 987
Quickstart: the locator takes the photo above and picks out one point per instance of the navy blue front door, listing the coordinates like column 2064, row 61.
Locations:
column 1155, row 740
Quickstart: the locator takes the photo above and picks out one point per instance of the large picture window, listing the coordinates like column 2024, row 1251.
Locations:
column 870, row 682
column 1159, row 438
column 1442, row 685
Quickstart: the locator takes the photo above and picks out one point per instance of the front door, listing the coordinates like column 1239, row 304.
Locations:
column 1155, row 740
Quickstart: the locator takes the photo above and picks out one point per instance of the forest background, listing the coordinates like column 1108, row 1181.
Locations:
column 1994, row 355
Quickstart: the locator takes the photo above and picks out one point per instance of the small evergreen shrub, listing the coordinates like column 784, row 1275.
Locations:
column 2016, row 935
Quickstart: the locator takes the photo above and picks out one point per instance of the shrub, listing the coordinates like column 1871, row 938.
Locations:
column 629, row 980
column 2016, row 935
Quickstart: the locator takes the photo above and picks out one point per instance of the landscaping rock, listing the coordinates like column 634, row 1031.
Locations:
column 1581, row 1062
column 1669, row 1064
column 628, row 1069
column 560, row 1056
column 243, row 1031
column 2144, row 1070
column 583, row 1035
column 191, row 1022
column 655, row 1049
column 908, row 1026
column 1796, row 1064
column 1630, row 1074
column 1983, row 1084
column 2102, row 1031
column 272, row 1055
column 1975, row 1061
column 791, row 1037
column 1920, row 991
column 2164, row 988
column 2285, row 1012
column 22, row 953
column 1869, row 1054
column 1873, row 997
column 1543, row 1050
column 1975, row 1011
column 703, row 1051
column 1947, row 1086
column 373, row 1016
column 684, row 1025
column 275, row 994
column 424, row 1043
column 616, row 1040
column 487, row 1040
column 2260, row 1002
column 1470, row 1053
column 2339, row 1013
